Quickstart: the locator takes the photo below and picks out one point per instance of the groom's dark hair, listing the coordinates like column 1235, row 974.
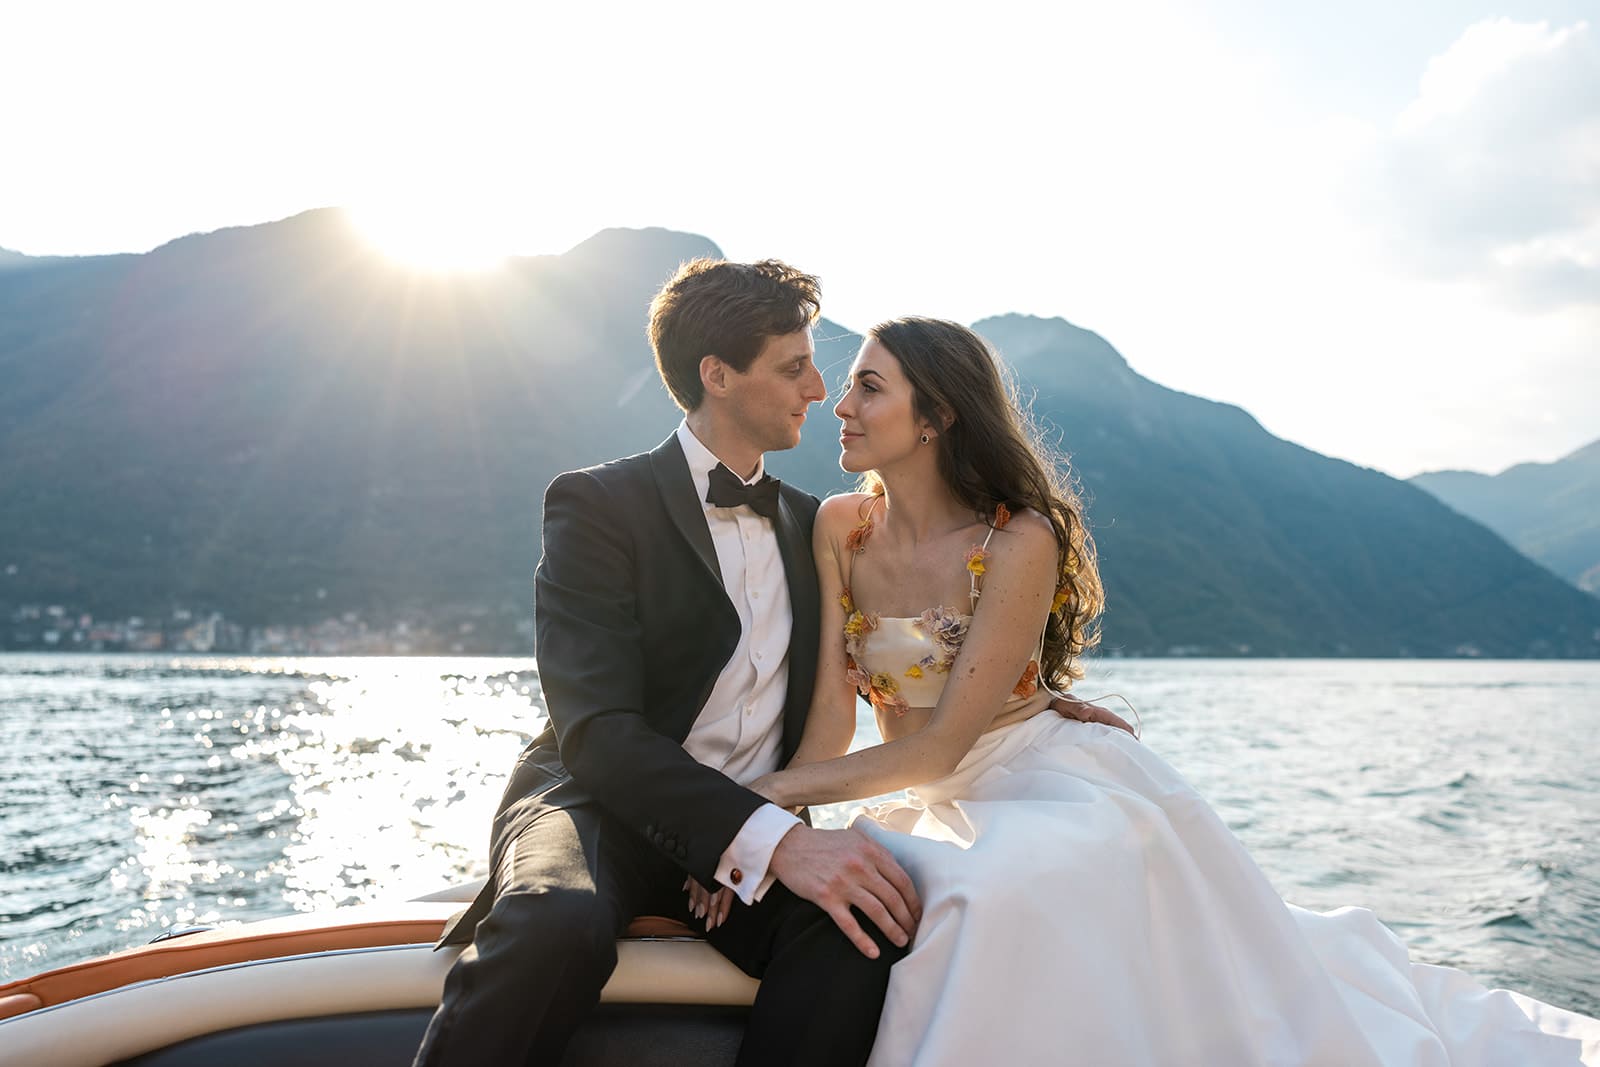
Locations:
column 711, row 307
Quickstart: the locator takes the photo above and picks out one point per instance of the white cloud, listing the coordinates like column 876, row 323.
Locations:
column 1492, row 173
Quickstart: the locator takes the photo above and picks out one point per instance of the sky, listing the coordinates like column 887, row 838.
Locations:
column 1374, row 226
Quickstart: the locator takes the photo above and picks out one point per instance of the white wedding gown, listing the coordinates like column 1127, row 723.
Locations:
column 1083, row 905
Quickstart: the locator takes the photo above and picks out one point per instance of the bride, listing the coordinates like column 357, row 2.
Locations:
column 1081, row 903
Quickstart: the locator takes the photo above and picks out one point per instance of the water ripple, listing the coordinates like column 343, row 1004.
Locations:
column 138, row 792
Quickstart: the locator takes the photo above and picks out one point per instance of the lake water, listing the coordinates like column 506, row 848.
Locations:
column 1460, row 800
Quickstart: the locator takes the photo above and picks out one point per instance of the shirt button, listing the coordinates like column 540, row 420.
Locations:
column 755, row 595
column 758, row 655
column 736, row 876
column 749, row 709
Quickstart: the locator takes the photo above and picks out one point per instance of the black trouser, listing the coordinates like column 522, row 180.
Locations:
column 570, row 884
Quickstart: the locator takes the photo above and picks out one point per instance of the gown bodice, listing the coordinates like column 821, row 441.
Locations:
column 899, row 663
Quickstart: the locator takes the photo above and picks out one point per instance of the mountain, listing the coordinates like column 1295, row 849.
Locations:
column 1216, row 537
column 10, row 260
column 1549, row 511
column 249, row 417
column 277, row 423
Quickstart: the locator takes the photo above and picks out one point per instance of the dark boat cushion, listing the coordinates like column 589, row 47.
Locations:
column 639, row 1035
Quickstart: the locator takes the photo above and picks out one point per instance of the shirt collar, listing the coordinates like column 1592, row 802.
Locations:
column 702, row 459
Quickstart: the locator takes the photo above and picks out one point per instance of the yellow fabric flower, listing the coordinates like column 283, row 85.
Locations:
column 913, row 671
column 976, row 556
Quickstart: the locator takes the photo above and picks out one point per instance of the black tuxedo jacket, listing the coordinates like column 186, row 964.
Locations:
column 633, row 629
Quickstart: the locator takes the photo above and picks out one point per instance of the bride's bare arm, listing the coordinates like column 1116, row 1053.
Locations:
column 831, row 722
column 1011, row 613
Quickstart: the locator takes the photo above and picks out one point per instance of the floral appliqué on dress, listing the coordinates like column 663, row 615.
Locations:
column 947, row 628
column 881, row 689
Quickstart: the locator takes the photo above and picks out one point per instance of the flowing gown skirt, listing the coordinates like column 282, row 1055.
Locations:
column 1083, row 905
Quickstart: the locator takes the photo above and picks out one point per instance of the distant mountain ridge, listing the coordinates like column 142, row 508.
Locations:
column 10, row 259
column 1218, row 538
column 277, row 423
column 1549, row 511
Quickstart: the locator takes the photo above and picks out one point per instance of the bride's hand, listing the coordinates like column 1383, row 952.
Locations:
column 704, row 904
column 1070, row 707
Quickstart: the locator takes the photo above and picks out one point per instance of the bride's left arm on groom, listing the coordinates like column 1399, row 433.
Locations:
column 1004, row 631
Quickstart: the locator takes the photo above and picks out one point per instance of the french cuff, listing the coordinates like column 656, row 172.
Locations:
column 743, row 868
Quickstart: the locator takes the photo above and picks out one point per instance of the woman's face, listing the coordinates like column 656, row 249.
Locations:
column 879, row 422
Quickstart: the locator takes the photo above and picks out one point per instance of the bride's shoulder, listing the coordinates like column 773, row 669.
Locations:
column 1025, row 533
column 1025, row 521
column 844, row 510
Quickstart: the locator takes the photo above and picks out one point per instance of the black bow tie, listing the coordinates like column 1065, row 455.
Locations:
column 729, row 491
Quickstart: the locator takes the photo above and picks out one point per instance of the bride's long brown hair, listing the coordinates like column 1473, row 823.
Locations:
column 990, row 453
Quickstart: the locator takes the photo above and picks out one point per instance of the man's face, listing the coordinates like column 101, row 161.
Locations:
column 768, row 401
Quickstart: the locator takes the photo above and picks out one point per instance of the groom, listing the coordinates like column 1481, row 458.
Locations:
column 678, row 616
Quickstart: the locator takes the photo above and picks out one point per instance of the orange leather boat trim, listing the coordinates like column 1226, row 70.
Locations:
column 656, row 926
column 17, row 1003
column 361, row 926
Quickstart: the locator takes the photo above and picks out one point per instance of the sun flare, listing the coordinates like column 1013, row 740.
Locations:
column 457, row 237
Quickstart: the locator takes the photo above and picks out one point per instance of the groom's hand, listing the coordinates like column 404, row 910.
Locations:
column 1070, row 707
column 840, row 869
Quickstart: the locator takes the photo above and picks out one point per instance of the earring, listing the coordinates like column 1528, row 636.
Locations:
column 925, row 438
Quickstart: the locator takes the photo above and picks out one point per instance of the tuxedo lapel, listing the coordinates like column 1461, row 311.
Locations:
column 798, row 569
column 801, row 575
column 676, row 486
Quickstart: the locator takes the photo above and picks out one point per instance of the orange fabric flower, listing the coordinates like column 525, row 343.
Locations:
column 1002, row 515
column 1063, row 595
column 856, row 539
column 856, row 676
column 1030, row 681
column 884, row 692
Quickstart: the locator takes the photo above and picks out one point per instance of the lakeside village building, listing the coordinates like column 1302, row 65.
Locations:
column 60, row 628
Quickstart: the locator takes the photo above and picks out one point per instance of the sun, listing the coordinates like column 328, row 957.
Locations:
column 444, row 236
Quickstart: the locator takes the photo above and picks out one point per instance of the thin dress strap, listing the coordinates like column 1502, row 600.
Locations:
column 863, row 527
column 982, row 552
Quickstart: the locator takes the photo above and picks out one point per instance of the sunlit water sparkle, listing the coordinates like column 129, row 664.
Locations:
column 1459, row 800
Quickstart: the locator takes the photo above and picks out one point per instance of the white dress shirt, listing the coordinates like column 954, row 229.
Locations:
column 740, row 729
